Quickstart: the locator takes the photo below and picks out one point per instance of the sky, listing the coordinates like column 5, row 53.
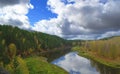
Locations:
column 69, row 19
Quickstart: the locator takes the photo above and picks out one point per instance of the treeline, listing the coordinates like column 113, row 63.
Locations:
column 108, row 48
column 14, row 41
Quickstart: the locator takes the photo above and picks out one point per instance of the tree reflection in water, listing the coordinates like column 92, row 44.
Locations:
column 103, row 69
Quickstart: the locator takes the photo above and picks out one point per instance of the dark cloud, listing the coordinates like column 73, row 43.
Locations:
column 66, row 28
column 94, row 19
column 8, row 2
column 15, row 22
column 4, row 3
column 111, row 20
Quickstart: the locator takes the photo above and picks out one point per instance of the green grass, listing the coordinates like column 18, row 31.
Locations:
column 38, row 65
column 96, row 58
column 33, row 65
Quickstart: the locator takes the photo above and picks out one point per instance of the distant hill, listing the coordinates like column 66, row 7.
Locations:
column 107, row 38
column 27, row 42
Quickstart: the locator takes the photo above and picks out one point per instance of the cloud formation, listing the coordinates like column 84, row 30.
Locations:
column 82, row 19
column 77, row 19
column 13, row 12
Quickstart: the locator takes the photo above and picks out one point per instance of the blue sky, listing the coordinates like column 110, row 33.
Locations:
column 70, row 19
column 40, row 11
column 103, row 1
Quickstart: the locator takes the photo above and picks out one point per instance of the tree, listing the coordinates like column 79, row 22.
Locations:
column 12, row 51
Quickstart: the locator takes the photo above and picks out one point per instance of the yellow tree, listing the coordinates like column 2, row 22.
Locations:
column 11, row 51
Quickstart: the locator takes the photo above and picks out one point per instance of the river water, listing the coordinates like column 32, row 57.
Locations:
column 75, row 64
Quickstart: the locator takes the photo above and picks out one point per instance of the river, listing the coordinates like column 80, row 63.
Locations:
column 75, row 64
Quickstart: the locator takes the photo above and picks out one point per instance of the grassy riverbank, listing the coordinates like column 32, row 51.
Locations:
column 33, row 65
column 115, row 63
column 37, row 65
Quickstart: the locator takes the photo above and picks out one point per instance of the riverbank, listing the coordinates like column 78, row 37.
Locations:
column 32, row 65
column 114, row 63
column 39, row 65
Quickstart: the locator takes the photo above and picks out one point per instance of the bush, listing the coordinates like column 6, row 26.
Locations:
column 21, row 66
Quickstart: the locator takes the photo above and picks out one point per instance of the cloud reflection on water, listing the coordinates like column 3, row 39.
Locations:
column 75, row 64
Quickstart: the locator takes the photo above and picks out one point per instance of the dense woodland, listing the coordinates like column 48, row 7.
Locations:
column 15, row 43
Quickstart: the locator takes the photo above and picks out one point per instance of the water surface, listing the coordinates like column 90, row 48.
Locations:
column 75, row 64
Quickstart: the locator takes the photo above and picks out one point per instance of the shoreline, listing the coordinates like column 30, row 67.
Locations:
column 100, row 60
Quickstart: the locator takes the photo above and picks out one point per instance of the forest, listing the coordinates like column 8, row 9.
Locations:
column 18, row 44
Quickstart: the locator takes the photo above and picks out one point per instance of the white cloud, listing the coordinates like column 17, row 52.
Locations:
column 14, row 13
column 83, row 18
column 50, row 27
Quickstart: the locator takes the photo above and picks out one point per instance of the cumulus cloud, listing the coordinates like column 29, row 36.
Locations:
column 13, row 12
column 75, row 64
column 89, row 18
column 50, row 27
